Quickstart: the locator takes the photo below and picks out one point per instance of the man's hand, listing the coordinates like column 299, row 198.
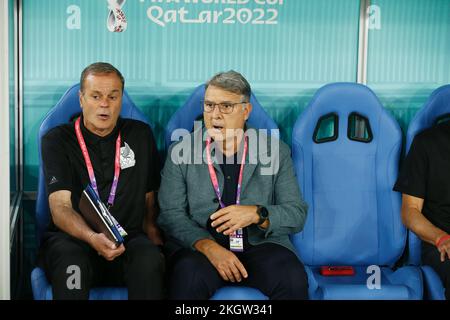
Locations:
column 105, row 247
column 225, row 261
column 154, row 234
column 232, row 218
column 414, row 220
column 150, row 227
column 444, row 249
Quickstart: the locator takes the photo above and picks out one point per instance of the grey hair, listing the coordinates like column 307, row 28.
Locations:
column 231, row 81
column 100, row 68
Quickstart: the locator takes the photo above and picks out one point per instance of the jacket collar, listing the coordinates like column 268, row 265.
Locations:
column 249, row 168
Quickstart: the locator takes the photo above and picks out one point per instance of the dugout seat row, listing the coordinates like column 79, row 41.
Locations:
column 346, row 149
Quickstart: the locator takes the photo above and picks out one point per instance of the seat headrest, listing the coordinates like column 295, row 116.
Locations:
column 69, row 106
column 437, row 105
column 347, row 179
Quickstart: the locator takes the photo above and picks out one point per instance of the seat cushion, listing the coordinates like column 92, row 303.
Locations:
column 42, row 290
column 403, row 284
column 433, row 285
column 238, row 293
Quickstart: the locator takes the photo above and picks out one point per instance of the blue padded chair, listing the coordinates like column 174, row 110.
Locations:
column 437, row 106
column 61, row 113
column 354, row 216
column 184, row 119
column 185, row 116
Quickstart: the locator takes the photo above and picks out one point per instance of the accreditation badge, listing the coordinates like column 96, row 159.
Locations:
column 237, row 241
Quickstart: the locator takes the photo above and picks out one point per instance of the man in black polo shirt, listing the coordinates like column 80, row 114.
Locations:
column 424, row 181
column 99, row 148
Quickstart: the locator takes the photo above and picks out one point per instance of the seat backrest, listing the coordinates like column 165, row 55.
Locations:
column 354, row 216
column 185, row 116
column 66, row 108
column 436, row 107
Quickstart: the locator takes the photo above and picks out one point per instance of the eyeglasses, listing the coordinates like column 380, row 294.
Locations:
column 224, row 108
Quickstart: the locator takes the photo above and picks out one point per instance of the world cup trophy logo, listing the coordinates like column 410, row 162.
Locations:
column 116, row 22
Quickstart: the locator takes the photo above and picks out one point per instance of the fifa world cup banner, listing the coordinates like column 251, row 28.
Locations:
column 164, row 13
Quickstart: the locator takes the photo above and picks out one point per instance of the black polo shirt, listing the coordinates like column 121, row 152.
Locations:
column 230, row 169
column 65, row 168
column 425, row 174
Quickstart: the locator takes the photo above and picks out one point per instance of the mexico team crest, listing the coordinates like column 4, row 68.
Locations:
column 126, row 157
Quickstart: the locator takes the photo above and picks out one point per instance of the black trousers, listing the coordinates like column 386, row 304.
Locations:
column 140, row 267
column 271, row 268
column 432, row 258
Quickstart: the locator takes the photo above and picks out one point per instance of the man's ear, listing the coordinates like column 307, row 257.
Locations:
column 80, row 97
column 248, row 110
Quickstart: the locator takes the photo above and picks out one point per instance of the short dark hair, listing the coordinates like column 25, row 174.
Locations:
column 231, row 81
column 100, row 68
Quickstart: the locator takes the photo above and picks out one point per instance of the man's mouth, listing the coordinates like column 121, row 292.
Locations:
column 103, row 116
column 217, row 127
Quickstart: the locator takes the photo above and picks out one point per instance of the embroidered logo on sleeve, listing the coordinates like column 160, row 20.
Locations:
column 126, row 157
column 53, row 180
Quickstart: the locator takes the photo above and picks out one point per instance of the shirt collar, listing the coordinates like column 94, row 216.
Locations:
column 93, row 138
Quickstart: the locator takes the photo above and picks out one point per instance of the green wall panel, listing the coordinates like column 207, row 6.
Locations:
column 314, row 42
column 409, row 56
column 12, row 111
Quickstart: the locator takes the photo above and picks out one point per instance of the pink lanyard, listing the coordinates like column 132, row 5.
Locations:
column 90, row 169
column 213, row 176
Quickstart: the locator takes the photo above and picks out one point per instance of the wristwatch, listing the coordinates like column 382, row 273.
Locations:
column 263, row 214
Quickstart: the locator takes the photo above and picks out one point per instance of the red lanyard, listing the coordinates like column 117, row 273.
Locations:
column 90, row 168
column 213, row 176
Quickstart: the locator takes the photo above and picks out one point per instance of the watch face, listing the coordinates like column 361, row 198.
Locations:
column 263, row 213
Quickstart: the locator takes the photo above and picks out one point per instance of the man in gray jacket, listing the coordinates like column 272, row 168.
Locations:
column 229, row 201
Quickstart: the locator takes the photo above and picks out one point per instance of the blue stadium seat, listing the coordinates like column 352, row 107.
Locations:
column 436, row 107
column 354, row 216
column 185, row 116
column 67, row 107
column 184, row 119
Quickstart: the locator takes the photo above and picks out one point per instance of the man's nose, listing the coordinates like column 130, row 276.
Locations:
column 104, row 102
column 216, row 112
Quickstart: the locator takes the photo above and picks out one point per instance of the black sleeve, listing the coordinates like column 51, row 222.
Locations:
column 412, row 179
column 154, row 171
column 56, row 164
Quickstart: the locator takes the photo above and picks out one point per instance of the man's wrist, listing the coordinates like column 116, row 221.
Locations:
column 440, row 240
column 90, row 238
column 203, row 245
column 263, row 215
column 150, row 220
column 151, row 225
